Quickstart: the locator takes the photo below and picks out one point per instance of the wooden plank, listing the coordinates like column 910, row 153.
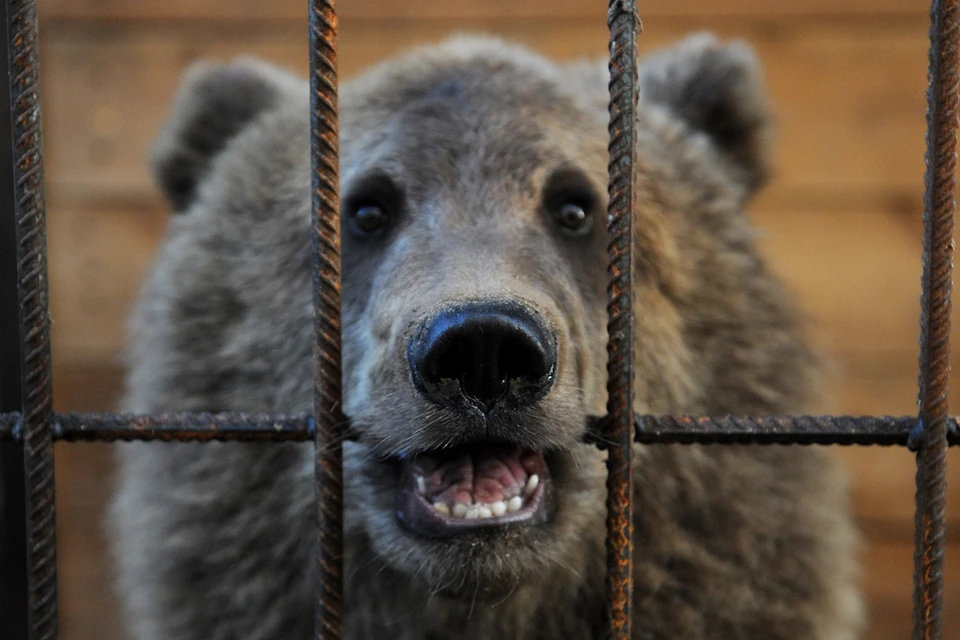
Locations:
column 88, row 607
column 856, row 273
column 113, row 10
column 888, row 587
column 849, row 97
column 87, row 385
column 883, row 489
column 97, row 261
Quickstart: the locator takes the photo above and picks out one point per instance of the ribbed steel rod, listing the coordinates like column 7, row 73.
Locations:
column 197, row 427
column 326, row 297
column 169, row 427
column 625, row 27
column 782, row 430
column 935, row 320
column 37, row 404
column 246, row 427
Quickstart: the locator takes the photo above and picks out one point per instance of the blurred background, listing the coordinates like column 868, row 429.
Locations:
column 841, row 220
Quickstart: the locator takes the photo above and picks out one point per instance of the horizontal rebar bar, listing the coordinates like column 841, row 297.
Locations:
column 247, row 427
column 201, row 427
column 822, row 430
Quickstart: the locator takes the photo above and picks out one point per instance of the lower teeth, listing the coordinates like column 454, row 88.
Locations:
column 479, row 511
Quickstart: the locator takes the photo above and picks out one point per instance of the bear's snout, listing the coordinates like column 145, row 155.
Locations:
column 483, row 355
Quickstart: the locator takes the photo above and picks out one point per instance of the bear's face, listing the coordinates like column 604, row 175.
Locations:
column 474, row 309
column 473, row 188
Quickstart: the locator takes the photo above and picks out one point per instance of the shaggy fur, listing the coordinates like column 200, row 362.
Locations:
column 471, row 144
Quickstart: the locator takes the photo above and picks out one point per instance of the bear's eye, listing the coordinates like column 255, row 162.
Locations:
column 370, row 218
column 371, row 205
column 569, row 200
column 573, row 218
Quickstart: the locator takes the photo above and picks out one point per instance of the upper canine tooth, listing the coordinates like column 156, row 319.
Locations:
column 459, row 510
column 514, row 504
column 498, row 508
column 532, row 483
column 421, row 485
column 442, row 508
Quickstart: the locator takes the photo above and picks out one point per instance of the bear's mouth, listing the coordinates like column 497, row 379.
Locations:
column 446, row 492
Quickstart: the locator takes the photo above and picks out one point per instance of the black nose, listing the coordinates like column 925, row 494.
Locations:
column 483, row 353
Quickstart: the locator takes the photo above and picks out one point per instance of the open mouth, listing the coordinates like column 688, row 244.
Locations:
column 445, row 492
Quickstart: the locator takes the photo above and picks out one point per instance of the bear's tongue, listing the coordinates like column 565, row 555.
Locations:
column 479, row 481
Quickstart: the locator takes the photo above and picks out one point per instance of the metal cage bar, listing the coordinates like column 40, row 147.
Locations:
column 36, row 427
column 624, row 24
column 29, row 209
column 328, row 439
column 938, row 223
column 884, row 431
column 13, row 561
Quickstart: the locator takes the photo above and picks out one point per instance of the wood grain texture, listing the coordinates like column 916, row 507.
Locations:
column 99, row 257
column 844, row 126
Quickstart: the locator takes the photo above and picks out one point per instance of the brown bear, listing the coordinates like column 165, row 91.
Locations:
column 474, row 292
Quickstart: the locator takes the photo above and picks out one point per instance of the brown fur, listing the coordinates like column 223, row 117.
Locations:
column 213, row 541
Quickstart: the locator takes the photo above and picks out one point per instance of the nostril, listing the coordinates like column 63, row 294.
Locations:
column 483, row 353
column 448, row 358
column 521, row 357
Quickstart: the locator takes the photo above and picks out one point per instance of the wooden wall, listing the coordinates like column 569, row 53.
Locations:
column 840, row 221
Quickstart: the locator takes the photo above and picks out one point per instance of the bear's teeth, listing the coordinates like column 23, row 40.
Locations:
column 479, row 511
column 421, row 485
column 532, row 483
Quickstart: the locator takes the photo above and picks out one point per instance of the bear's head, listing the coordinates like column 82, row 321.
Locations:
column 474, row 210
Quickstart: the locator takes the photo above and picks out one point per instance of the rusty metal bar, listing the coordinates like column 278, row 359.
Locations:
column 29, row 209
column 624, row 24
column 199, row 427
column 178, row 427
column 326, row 290
column 782, row 430
column 13, row 513
column 934, row 380
column 265, row 427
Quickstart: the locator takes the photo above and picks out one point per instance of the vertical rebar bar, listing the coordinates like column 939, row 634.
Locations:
column 29, row 209
column 935, row 321
column 13, row 513
column 624, row 26
column 326, row 296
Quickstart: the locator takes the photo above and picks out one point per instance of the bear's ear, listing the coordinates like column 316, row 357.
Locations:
column 716, row 89
column 215, row 102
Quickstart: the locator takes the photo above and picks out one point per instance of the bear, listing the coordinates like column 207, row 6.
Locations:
column 474, row 266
